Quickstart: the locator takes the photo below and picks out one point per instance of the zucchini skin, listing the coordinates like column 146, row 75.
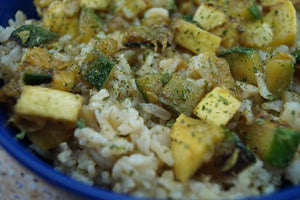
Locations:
column 36, row 79
column 31, row 36
column 99, row 70
column 238, row 50
column 284, row 147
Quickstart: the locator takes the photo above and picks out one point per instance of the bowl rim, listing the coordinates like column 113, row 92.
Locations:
column 57, row 178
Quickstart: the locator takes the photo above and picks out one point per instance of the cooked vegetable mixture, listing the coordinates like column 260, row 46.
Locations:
column 175, row 99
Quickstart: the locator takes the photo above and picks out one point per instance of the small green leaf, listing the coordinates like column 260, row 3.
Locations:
column 21, row 135
column 254, row 10
column 80, row 123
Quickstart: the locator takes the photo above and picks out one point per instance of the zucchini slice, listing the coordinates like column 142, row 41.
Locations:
column 182, row 94
column 99, row 71
column 151, row 85
column 36, row 79
column 273, row 143
column 32, row 35
column 244, row 62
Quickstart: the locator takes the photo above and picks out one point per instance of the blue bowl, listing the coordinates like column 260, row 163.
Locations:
column 46, row 171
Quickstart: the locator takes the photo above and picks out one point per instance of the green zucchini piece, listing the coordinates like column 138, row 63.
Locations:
column 36, row 79
column 244, row 63
column 254, row 10
column 150, row 85
column 182, row 94
column 279, row 73
column 32, row 35
column 273, row 143
column 99, row 70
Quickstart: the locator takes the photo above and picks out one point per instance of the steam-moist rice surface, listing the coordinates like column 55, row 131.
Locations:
column 125, row 144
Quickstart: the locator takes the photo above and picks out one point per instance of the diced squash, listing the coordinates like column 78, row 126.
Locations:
column 279, row 73
column 229, row 33
column 209, row 66
column 32, row 35
column 282, row 19
column 257, row 34
column 209, row 17
column 95, row 4
column 156, row 35
column 42, row 3
column 269, row 3
column 217, row 107
column 99, row 70
column 108, row 46
column 49, row 103
column 57, row 20
column 235, row 8
column 151, row 85
column 195, row 39
column 89, row 24
column 167, row 4
column 47, row 115
column 156, row 16
column 65, row 80
column 273, row 143
column 40, row 57
column 192, row 144
column 182, row 94
column 130, row 8
column 244, row 62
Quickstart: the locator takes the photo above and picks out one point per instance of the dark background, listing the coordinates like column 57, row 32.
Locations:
column 9, row 7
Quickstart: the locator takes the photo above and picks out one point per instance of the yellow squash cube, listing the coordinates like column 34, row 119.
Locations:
column 279, row 73
column 282, row 19
column 48, row 116
column 130, row 8
column 57, row 20
column 195, row 39
column 209, row 17
column 49, row 103
column 229, row 32
column 257, row 34
column 268, row 3
column 95, row 4
column 217, row 107
column 192, row 144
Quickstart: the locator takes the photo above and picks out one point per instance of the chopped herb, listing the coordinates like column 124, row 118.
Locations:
column 260, row 121
column 293, row 113
column 80, row 123
column 240, row 50
column 254, row 10
column 21, row 135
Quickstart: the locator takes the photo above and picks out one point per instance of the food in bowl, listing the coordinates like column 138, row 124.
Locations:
column 163, row 99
